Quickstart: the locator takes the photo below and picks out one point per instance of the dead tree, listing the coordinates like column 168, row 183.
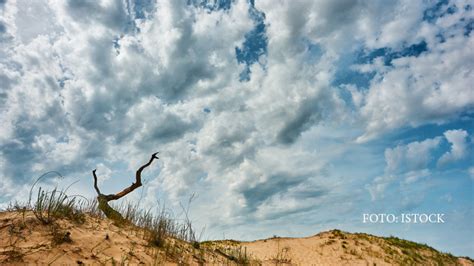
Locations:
column 103, row 199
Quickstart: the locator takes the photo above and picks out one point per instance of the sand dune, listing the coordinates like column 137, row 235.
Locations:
column 24, row 240
column 341, row 248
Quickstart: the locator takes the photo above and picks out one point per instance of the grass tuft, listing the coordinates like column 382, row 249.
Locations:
column 55, row 204
column 160, row 229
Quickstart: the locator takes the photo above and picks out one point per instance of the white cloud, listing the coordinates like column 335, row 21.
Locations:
column 409, row 92
column 412, row 156
column 407, row 163
column 412, row 91
column 379, row 185
column 414, row 176
column 103, row 172
column 471, row 172
column 458, row 140
column 411, row 162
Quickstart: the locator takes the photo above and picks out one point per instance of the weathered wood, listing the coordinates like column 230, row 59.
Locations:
column 103, row 200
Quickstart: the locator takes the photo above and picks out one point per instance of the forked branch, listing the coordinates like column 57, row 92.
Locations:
column 104, row 199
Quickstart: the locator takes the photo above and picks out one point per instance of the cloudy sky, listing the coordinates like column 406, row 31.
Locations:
column 283, row 117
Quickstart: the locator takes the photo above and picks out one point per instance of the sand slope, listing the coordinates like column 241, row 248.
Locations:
column 24, row 241
column 341, row 248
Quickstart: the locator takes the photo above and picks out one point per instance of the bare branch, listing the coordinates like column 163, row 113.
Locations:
column 138, row 179
column 137, row 184
column 95, row 182
column 104, row 199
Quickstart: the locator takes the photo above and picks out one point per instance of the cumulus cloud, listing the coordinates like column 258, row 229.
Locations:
column 458, row 141
column 409, row 162
column 130, row 85
column 411, row 89
column 412, row 156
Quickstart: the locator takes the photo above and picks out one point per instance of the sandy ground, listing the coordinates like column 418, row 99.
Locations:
column 337, row 248
column 96, row 241
column 24, row 240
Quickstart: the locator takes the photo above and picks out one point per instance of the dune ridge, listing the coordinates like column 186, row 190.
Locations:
column 25, row 240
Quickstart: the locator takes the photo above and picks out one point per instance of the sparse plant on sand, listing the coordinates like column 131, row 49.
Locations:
column 237, row 254
column 51, row 205
column 60, row 236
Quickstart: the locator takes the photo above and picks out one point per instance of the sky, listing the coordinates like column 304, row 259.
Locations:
column 281, row 117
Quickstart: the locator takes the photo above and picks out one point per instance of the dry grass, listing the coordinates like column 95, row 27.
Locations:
column 156, row 227
column 174, row 238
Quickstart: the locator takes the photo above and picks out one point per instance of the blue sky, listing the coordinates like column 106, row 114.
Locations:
column 283, row 117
